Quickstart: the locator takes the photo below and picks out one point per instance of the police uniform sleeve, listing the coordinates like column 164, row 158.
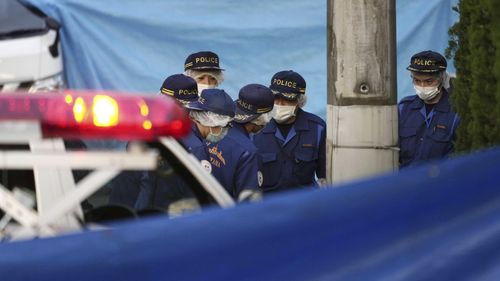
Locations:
column 321, row 165
column 144, row 199
column 246, row 176
column 125, row 188
column 454, row 126
column 404, row 102
column 402, row 110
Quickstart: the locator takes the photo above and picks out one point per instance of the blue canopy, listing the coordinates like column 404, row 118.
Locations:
column 434, row 222
column 134, row 45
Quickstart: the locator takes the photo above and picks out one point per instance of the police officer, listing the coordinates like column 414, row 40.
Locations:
column 232, row 163
column 292, row 145
column 204, row 68
column 185, row 90
column 154, row 189
column 253, row 111
column 427, row 123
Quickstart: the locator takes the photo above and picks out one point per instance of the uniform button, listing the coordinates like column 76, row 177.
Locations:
column 421, row 139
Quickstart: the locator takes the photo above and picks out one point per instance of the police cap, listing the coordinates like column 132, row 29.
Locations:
column 181, row 87
column 288, row 84
column 253, row 100
column 204, row 60
column 214, row 100
column 427, row 62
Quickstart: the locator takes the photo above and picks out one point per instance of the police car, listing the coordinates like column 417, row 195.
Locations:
column 46, row 122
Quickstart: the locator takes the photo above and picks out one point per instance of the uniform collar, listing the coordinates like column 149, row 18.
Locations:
column 240, row 128
column 301, row 124
column 443, row 105
column 195, row 130
column 270, row 128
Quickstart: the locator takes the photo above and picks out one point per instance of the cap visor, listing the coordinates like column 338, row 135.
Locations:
column 194, row 105
column 206, row 68
column 286, row 96
column 241, row 116
column 422, row 70
column 185, row 103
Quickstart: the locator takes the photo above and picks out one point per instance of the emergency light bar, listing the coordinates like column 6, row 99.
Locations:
column 103, row 115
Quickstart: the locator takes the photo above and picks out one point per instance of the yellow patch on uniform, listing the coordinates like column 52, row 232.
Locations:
column 217, row 153
column 441, row 127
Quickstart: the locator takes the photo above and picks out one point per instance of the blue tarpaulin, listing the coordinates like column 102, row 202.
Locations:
column 421, row 25
column 133, row 45
column 434, row 222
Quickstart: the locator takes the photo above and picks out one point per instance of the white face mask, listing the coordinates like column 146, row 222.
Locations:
column 263, row 119
column 216, row 137
column 202, row 87
column 426, row 93
column 284, row 113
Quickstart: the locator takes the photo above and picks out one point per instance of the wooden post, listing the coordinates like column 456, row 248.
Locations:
column 362, row 113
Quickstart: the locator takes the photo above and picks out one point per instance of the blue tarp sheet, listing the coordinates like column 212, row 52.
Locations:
column 434, row 222
column 133, row 45
column 421, row 25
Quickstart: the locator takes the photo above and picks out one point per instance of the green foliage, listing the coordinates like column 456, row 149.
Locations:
column 475, row 46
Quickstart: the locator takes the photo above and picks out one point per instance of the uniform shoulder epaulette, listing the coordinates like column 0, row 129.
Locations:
column 408, row 99
column 316, row 119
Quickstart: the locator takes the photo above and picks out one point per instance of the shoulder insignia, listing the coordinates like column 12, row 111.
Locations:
column 408, row 99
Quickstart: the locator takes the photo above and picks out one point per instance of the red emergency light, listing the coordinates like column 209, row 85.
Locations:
column 98, row 114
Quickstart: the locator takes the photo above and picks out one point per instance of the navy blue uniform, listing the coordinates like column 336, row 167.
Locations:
column 146, row 189
column 234, row 160
column 126, row 187
column 293, row 160
column 425, row 136
column 193, row 140
column 157, row 191
column 160, row 191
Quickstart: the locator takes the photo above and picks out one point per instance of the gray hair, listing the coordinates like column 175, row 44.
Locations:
column 445, row 79
column 301, row 100
column 217, row 74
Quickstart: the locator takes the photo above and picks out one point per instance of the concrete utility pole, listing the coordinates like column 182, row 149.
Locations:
column 362, row 113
